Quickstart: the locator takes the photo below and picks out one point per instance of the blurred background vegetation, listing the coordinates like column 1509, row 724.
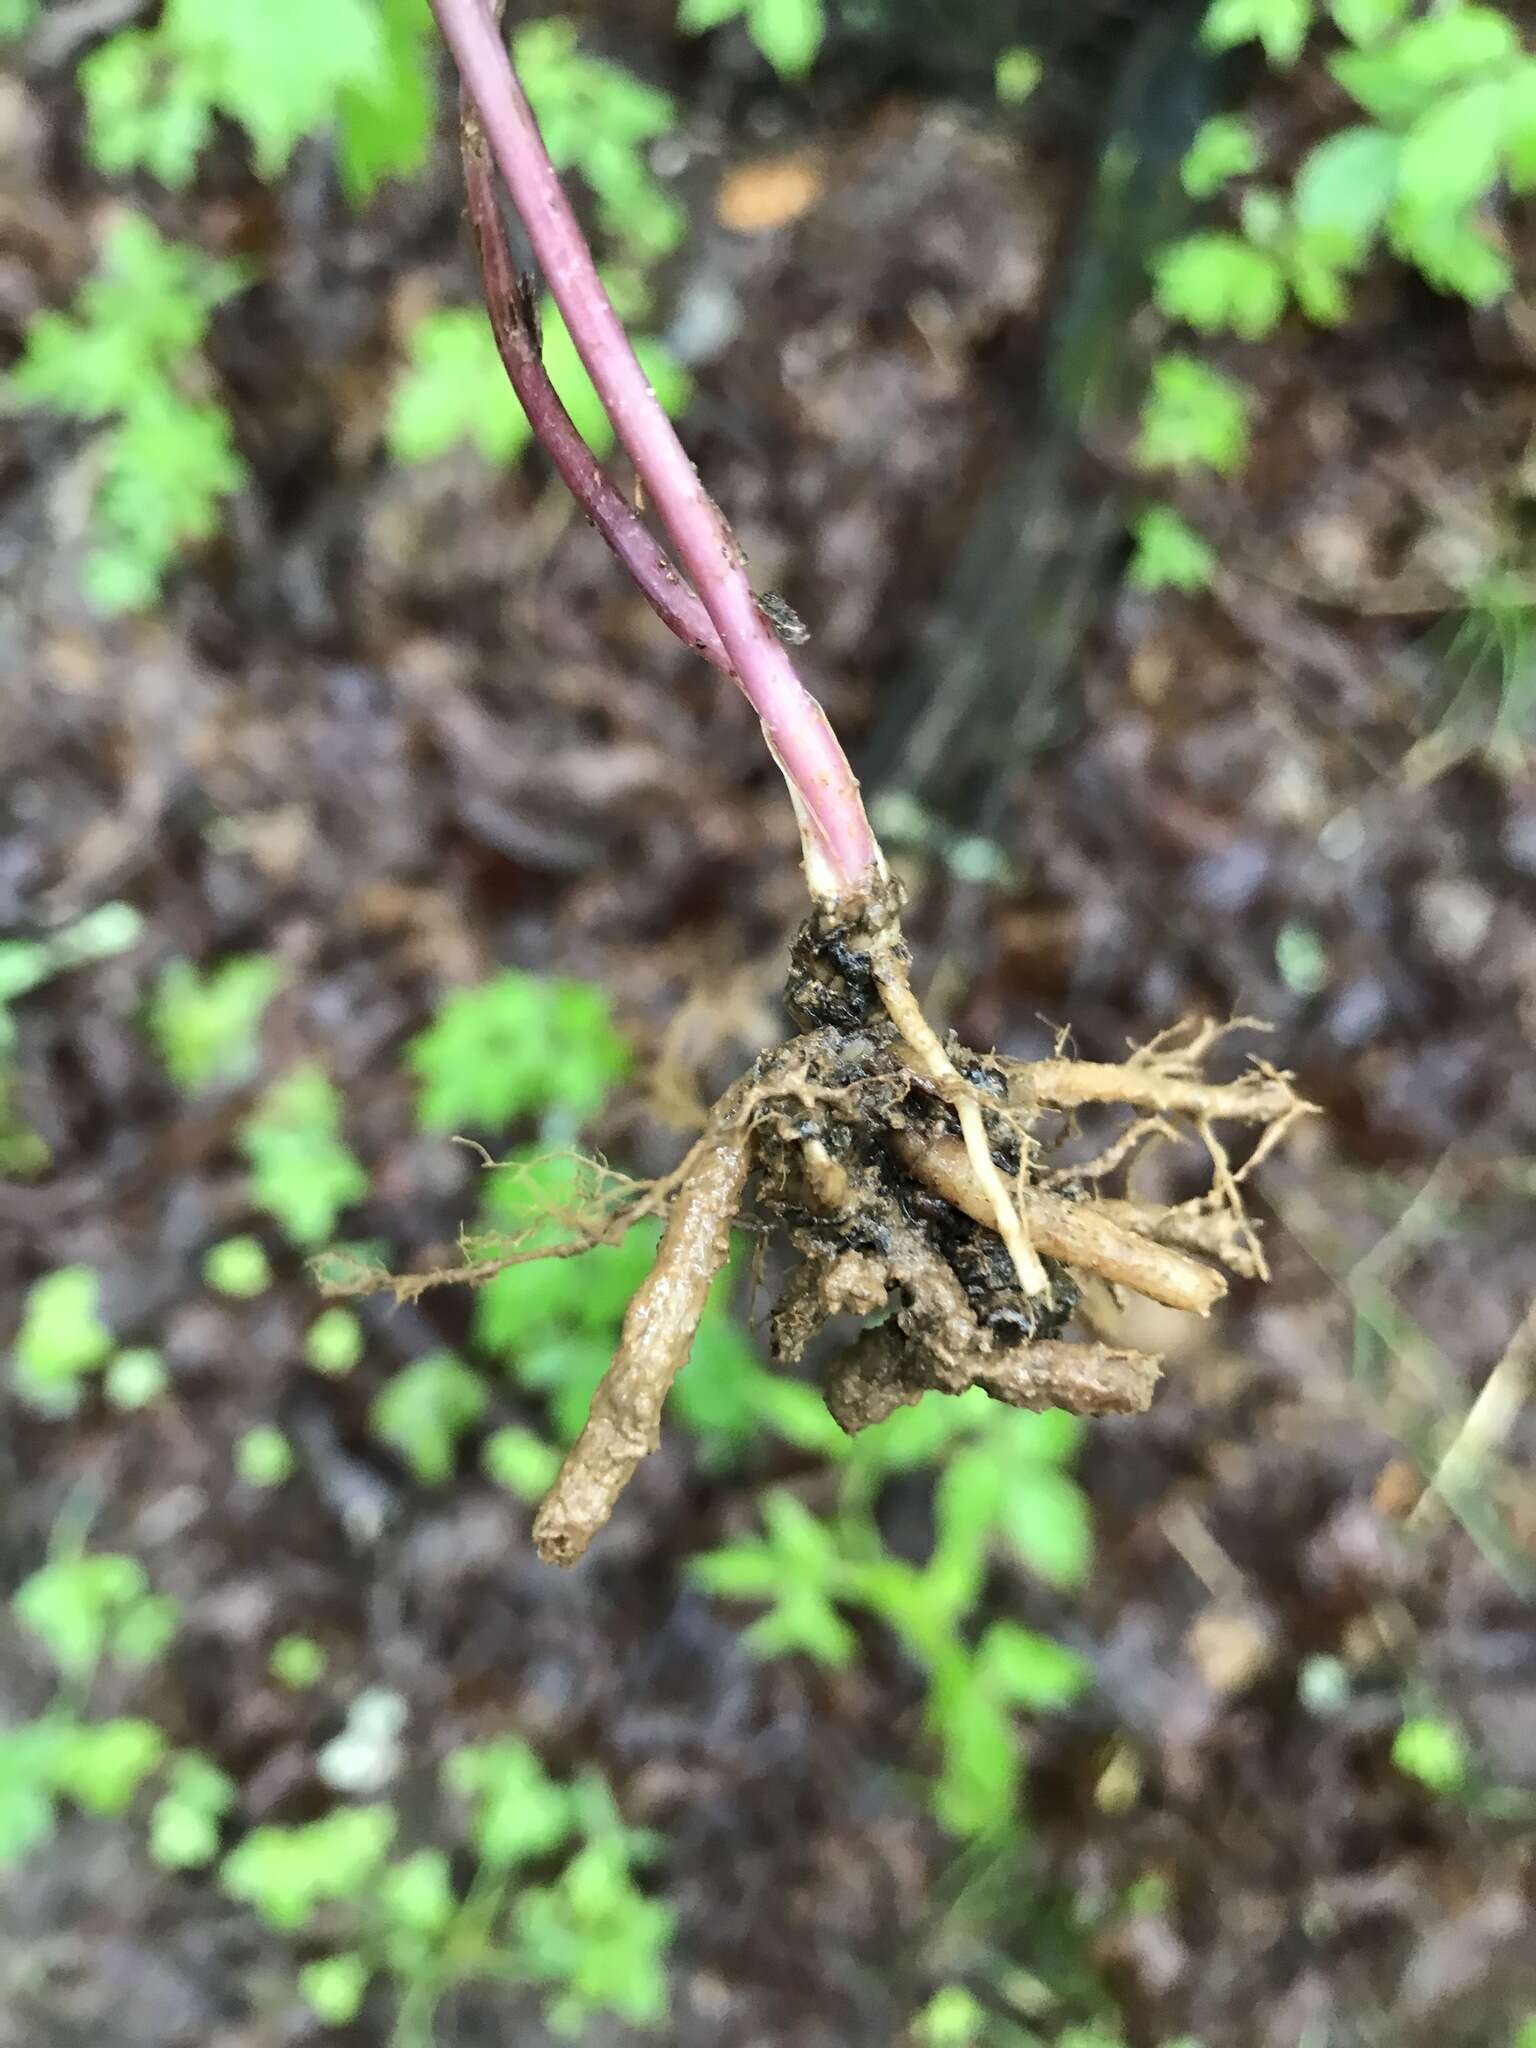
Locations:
column 1137, row 405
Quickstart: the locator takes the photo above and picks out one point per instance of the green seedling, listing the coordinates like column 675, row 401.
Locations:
column 62, row 1340
column 302, row 1172
column 27, row 964
column 264, row 1457
column 207, row 1027
column 135, row 1378
column 1169, row 554
column 788, row 33
column 239, row 1267
column 298, row 1662
column 334, row 1343
column 358, row 66
column 516, row 1046
column 88, row 1607
column 185, row 1825
column 425, row 1411
column 129, row 360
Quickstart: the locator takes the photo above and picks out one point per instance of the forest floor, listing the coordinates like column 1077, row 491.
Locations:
column 405, row 725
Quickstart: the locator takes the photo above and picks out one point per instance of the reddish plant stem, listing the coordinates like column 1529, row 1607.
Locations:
column 842, row 856
column 517, row 339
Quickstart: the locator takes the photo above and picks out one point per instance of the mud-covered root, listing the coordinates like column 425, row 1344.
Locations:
column 879, row 1373
column 624, row 1423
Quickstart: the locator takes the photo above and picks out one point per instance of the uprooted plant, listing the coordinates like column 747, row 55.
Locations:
column 909, row 1173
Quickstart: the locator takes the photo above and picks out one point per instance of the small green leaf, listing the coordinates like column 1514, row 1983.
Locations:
column 333, row 1344
column 520, row 1462
column 135, row 1378
column 184, row 1827
column 1432, row 1751
column 1016, row 74
column 334, row 1988
column 1029, row 1670
column 264, row 1458
column 62, row 1339
column 1281, row 26
column 1045, row 1517
column 298, row 1662
column 1451, row 156
column 1220, row 283
column 1224, row 147
column 286, row 1874
column 1301, row 959
column 417, row 1893
column 516, row 1045
column 1343, row 191
column 518, row 1813
column 788, row 33
column 1367, row 21
column 1169, row 554
column 206, row 1027
column 302, row 1171
column 102, row 1764
column 1193, row 418
column 425, row 1410
column 238, row 1267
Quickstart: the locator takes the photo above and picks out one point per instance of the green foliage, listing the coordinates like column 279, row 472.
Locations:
column 87, row 1607
column 238, row 1267
column 1193, row 418
column 1016, row 74
column 62, row 1339
column 184, row 1827
column 334, row 1342
column 284, row 72
column 1224, row 147
column 1281, row 26
column 264, row 1457
column 1301, row 959
column 1220, row 284
column 1432, row 1750
column 298, row 1662
column 287, row 1874
column 16, row 17
column 520, row 1462
column 454, row 388
column 1003, row 1489
column 517, row 1045
column 26, row 964
column 135, row 1378
column 206, row 1027
column 587, row 1935
column 788, row 32
column 1169, row 554
column 129, row 355
column 597, row 119
column 952, row 2018
column 424, row 1412
column 101, row 1765
column 302, row 1172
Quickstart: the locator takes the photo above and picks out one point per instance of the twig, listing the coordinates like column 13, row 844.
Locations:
column 517, row 340
column 842, row 859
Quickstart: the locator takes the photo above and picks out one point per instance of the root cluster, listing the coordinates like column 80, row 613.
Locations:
column 913, row 1178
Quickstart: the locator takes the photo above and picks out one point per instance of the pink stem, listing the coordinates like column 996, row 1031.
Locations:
column 842, row 855
column 513, row 324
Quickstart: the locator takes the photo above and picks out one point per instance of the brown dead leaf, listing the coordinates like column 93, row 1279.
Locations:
column 770, row 192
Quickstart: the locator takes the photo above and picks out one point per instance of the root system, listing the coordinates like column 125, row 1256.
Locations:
column 916, row 1181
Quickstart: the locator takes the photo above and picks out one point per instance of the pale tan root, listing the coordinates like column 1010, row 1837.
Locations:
column 1074, row 1232
column 624, row 1424
column 1003, row 1214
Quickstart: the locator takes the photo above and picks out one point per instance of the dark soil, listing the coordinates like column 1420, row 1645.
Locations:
column 401, row 726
